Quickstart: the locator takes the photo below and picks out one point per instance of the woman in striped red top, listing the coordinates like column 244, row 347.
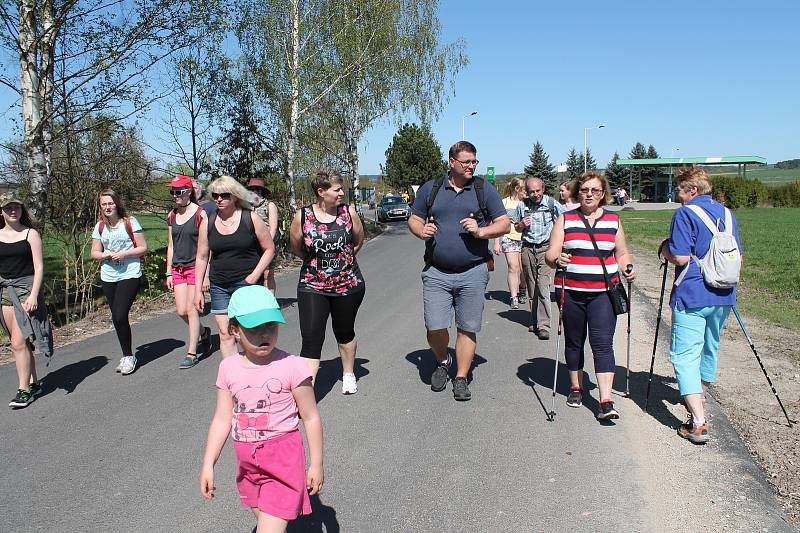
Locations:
column 587, row 307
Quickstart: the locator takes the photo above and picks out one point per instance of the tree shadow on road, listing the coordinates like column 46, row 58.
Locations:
column 426, row 364
column 150, row 351
column 323, row 518
column 330, row 372
column 68, row 377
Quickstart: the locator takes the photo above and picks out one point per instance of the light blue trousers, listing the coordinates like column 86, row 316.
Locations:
column 695, row 344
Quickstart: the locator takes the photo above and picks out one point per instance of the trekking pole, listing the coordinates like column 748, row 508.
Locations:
column 552, row 414
column 764, row 370
column 658, row 323
column 628, row 270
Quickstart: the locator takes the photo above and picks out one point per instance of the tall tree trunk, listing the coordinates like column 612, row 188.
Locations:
column 294, row 114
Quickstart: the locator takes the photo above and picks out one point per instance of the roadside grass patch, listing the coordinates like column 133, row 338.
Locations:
column 770, row 285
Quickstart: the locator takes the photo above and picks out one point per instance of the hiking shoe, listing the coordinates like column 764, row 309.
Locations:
column 205, row 342
column 189, row 361
column 575, row 398
column 439, row 377
column 22, row 399
column 349, row 385
column 607, row 411
column 35, row 389
column 460, row 390
column 514, row 303
column 128, row 365
column 692, row 433
column 119, row 366
column 543, row 334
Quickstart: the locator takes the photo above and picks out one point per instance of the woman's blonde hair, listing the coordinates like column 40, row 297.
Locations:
column 511, row 186
column 695, row 177
column 244, row 198
column 588, row 176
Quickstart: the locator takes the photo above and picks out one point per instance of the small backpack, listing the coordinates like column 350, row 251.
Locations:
column 128, row 229
column 722, row 265
column 197, row 217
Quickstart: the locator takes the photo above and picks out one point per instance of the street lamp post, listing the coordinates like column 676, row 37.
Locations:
column 463, row 118
column 669, row 195
column 585, row 131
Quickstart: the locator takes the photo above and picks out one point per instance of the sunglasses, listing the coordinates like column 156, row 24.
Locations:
column 223, row 195
column 256, row 189
column 178, row 192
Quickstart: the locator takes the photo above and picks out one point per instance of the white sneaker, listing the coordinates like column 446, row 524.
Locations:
column 128, row 365
column 349, row 385
column 119, row 366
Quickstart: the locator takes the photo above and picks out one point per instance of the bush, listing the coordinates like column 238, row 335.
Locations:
column 786, row 195
column 736, row 192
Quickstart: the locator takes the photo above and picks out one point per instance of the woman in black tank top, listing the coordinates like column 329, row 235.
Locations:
column 184, row 224
column 235, row 247
column 21, row 271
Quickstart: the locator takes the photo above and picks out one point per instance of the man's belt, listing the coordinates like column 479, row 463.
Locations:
column 459, row 270
column 535, row 245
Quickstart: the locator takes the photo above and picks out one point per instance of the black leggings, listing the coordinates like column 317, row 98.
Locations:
column 589, row 312
column 120, row 296
column 314, row 309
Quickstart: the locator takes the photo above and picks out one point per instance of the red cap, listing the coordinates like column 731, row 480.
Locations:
column 180, row 181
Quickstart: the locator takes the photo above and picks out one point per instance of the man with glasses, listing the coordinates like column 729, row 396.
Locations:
column 535, row 217
column 456, row 215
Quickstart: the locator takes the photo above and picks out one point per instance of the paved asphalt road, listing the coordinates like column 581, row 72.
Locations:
column 103, row 452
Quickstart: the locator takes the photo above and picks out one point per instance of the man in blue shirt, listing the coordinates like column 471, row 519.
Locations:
column 457, row 233
column 536, row 215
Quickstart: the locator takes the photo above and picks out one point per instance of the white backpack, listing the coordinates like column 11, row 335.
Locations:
column 723, row 262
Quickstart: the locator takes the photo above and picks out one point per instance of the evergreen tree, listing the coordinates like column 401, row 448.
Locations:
column 615, row 174
column 574, row 164
column 635, row 173
column 413, row 158
column 540, row 167
column 649, row 174
column 591, row 164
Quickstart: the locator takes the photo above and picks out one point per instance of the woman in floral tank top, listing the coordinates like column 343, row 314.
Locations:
column 327, row 235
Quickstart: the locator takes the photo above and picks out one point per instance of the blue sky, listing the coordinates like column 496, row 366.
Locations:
column 707, row 78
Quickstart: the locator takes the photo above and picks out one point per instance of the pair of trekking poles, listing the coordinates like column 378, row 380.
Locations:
column 551, row 415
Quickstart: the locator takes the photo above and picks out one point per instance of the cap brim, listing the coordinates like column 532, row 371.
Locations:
column 260, row 317
column 11, row 201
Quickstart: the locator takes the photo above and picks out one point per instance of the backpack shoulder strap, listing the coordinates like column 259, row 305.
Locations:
column 728, row 222
column 101, row 226
column 129, row 230
column 171, row 217
column 701, row 213
column 480, row 193
column 437, row 184
column 198, row 217
column 551, row 205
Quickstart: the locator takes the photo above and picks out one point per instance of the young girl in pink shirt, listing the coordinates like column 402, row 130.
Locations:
column 260, row 394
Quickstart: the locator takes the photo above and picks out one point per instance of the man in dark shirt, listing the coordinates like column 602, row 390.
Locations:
column 454, row 279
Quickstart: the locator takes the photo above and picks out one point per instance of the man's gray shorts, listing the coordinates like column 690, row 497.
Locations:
column 462, row 294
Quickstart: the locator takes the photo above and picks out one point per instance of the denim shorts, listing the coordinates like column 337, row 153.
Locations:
column 460, row 294
column 221, row 296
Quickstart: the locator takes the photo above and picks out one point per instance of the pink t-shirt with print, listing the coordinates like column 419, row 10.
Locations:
column 263, row 404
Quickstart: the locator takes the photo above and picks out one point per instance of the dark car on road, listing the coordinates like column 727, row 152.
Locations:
column 393, row 208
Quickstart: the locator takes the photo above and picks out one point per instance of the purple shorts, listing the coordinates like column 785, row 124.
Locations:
column 271, row 475
column 183, row 274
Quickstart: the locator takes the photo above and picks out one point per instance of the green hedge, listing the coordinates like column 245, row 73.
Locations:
column 736, row 192
column 786, row 195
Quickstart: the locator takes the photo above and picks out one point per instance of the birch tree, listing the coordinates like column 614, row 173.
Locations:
column 354, row 59
column 80, row 57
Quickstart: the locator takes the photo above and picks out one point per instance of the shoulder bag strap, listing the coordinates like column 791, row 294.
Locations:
column 596, row 250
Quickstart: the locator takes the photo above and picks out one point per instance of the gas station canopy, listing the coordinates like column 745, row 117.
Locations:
column 674, row 161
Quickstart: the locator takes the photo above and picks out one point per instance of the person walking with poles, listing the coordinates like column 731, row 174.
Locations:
column 535, row 217
column 700, row 303
column 455, row 215
column 594, row 247
column 184, row 228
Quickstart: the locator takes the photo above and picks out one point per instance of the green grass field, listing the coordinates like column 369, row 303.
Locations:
column 771, row 177
column 770, row 286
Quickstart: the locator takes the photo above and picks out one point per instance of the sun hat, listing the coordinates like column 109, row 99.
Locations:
column 254, row 305
column 180, row 181
column 256, row 182
column 10, row 197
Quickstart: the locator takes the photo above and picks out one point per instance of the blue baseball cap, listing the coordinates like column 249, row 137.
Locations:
column 254, row 305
